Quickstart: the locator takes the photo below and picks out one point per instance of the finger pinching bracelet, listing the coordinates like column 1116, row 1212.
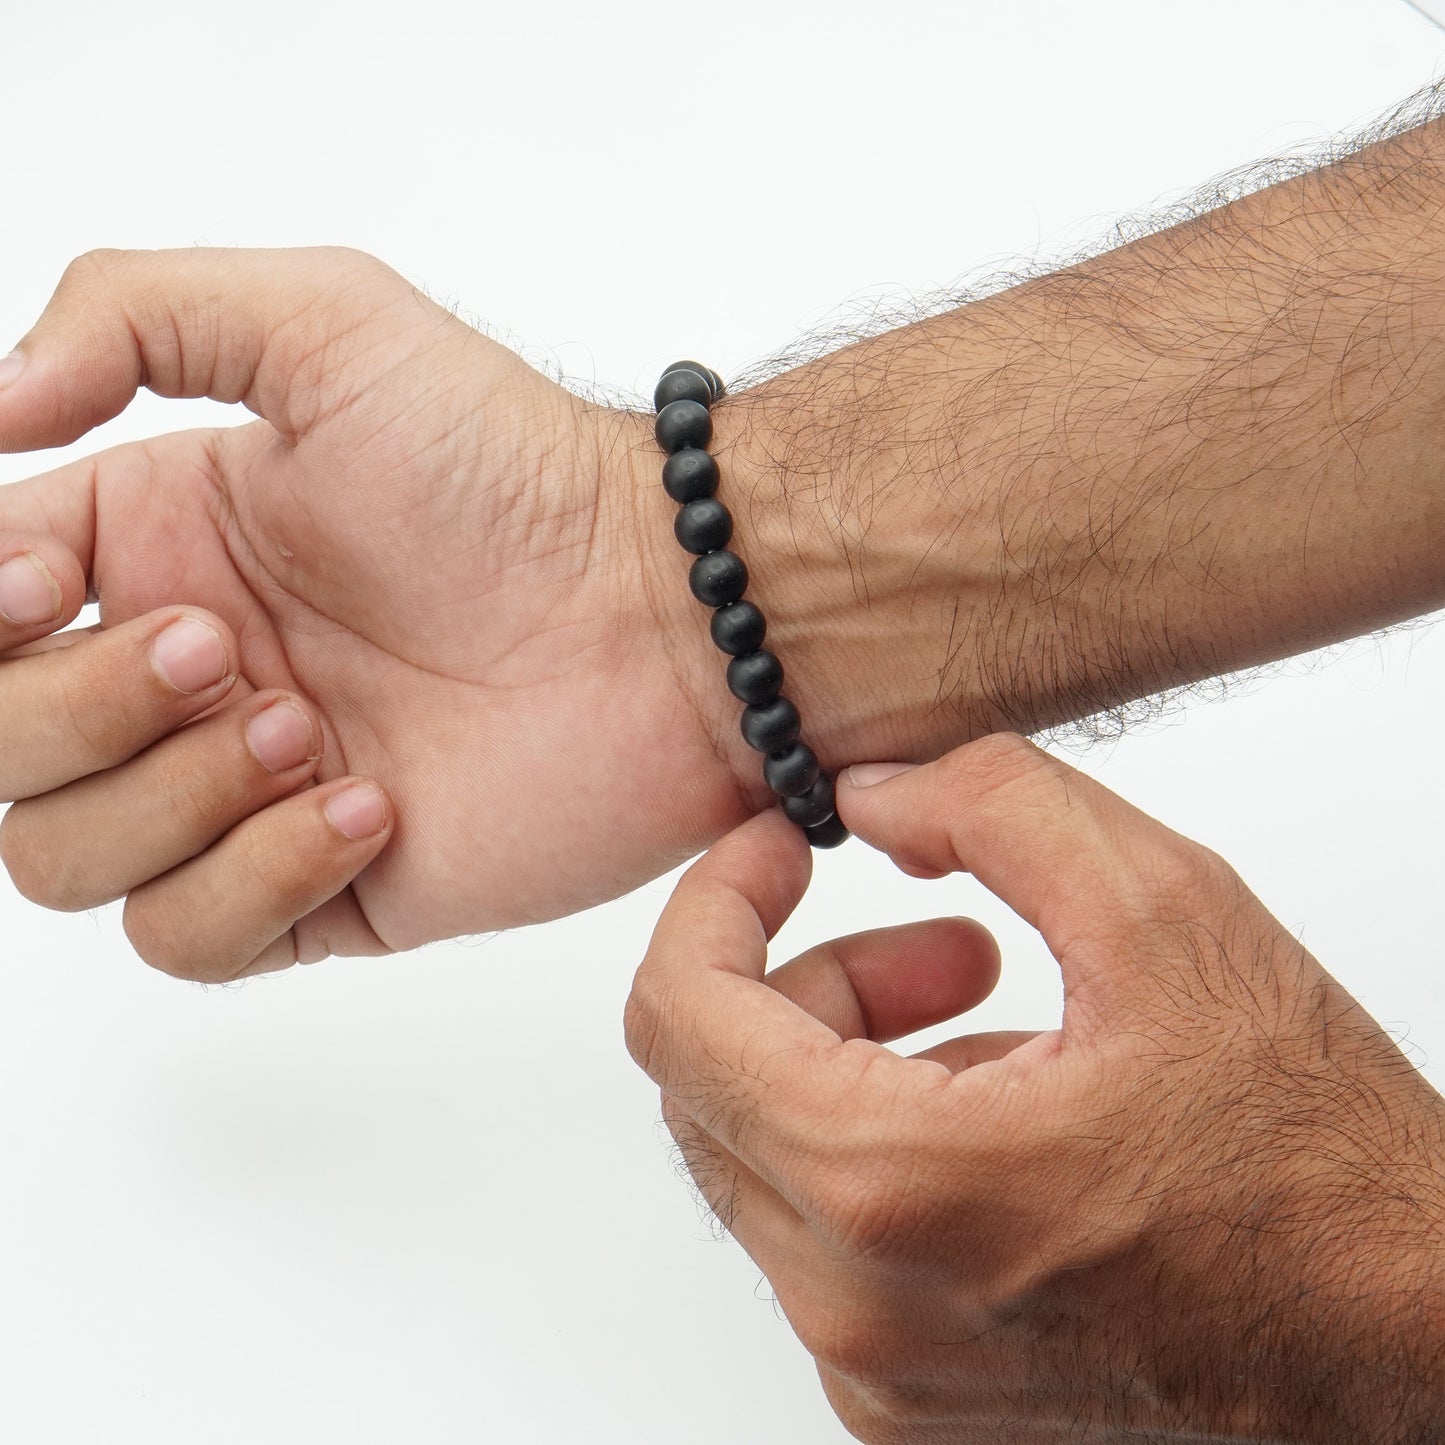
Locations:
column 684, row 398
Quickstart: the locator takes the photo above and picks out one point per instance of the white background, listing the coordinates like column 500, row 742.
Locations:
column 425, row 1198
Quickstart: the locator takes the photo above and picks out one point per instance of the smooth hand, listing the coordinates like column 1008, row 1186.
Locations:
column 1209, row 1207
column 379, row 668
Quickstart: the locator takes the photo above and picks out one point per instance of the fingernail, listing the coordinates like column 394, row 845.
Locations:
column 10, row 368
column 358, row 811
column 280, row 737
column 190, row 655
column 28, row 593
column 864, row 775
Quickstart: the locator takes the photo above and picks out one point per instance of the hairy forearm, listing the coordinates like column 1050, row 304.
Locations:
column 1338, row 1322
column 1214, row 447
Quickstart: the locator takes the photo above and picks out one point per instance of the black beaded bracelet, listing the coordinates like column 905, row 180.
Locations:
column 684, row 398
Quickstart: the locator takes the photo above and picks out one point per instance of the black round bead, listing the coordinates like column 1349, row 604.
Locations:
column 682, row 424
column 815, row 806
column 738, row 629
column 793, row 772
column 703, row 526
column 714, row 381
column 689, row 474
column 772, row 727
column 682, row 384
column 755, row 677
column 827, row 834
column 718, row 578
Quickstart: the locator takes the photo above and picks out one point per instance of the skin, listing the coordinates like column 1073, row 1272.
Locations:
column 1216, row 447
column 1213, row 447
column 416, row 545
column 1209, row 1204
column 1208, row 1207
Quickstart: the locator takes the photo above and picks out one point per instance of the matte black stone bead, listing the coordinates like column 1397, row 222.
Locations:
column 815, row 806
column 827, row 834
column 682, row 383
column 772, row 727
column 703, row 526
column 718, row 578
column 792, row 772
column 738, row 629
column 682, row 424
column 689, row 474
column 755, row 677
column 714, row 380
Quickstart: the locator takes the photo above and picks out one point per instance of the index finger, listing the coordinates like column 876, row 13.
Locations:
column 245, row 326
column 699, row 1020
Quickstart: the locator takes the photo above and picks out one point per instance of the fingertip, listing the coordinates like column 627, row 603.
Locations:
column 887, row 983
column 283, row 733
column 42, row 586
column 752, row 877
column 193, row 653
column 870, row 806
column 860, row 789
column 11, row 368
column 769, row 860
column 977, row 942
column 868, row 775
column 358, row 810
column 946, row 967
column 920, row 870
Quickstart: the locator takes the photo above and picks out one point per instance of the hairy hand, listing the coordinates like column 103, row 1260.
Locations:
column 1207, row 1207
column 421, row 569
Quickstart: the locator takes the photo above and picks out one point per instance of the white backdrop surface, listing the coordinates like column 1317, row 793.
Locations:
column 426, row 1198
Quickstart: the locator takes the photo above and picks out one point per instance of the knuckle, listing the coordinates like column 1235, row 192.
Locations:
column 853, row 1405
column 352, row 258
column 642, row 1023
column 1002, row 762
column 1182, row 878
column 279, row 954
column 1003, row 756
column 865, row 1338
column 94, row 269
column 352, row 278
column 858, row 1417
column 844, row 1339
column 901, row 1401
column 151, row 929
column 37, row 874
column 45, row 871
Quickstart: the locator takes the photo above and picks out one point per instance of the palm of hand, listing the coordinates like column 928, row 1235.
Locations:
column 435, row 545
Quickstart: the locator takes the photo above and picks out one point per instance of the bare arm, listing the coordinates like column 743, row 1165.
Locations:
column 1211, row 448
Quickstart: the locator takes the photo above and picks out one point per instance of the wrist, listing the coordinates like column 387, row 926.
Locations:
column 724, row 783
column 866, row 589
column 858, row 688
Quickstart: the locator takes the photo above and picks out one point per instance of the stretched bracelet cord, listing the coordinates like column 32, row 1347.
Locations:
column 684, row 399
